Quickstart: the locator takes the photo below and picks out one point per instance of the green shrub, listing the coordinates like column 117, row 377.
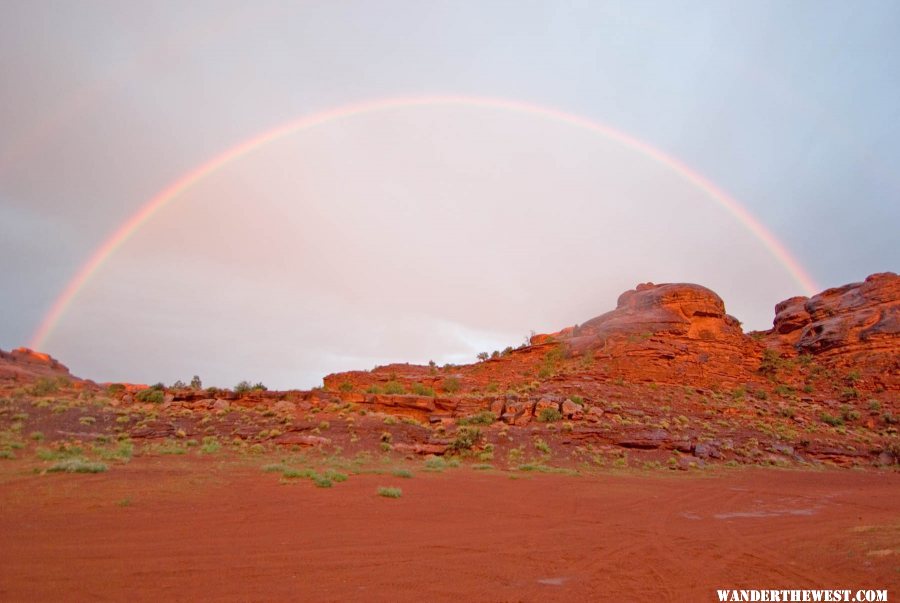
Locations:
column 484, row 417
column 437, row 463
column 43, row 386
column 394, row 388
column 849, row 393
column 404, row 473
column 336, row 476
column 390, row 492
column 451, row 385
column 346, row 386
column 77, row 465
column 422, row 390
column 466, row 437
column 321, row 481
column 152, row 395
column 784, row 390
column 849, row 414
column 832, row 420
column 549, row 415
column 210, row 445
column 771, row 362
column 114, row 389
column 577, row 400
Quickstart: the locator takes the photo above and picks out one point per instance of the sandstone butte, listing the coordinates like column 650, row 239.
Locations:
column 667, row 370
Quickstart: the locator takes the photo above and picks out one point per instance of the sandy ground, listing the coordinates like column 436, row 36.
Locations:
column 207, row 529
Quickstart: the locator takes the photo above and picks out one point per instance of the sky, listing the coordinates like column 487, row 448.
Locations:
column 336, row 185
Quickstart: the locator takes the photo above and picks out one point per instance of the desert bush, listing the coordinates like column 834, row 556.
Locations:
column 77, row 465
column 832, row 420
column 770, row 363
column 451, row 385
column 849, row 393
column 390, row 492
column 422, row 390
column 394, row 387
column 210, row 445
column 466, row 437
column 153, row 395
column 549, row 415
column 43, row 386
column 484, row 417
column 437, row 463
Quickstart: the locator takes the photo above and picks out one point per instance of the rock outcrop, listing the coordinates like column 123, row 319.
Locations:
column 855, row 327
column 666, row 377
column 667, row 333
column 23, row 364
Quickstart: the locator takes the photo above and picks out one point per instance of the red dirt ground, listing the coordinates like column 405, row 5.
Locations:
column 210, row 529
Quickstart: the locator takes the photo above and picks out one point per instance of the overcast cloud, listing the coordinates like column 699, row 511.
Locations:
column 432, row 232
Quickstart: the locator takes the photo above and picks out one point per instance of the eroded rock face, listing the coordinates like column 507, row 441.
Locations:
column 854, row 329
column 676, row 332
column 843, row 319
column 23, row 364
column 678, row 309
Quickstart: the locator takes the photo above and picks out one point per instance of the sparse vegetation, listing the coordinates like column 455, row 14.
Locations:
column 244, row 387
column 466, row 438
column 422, row 390
column 549, row 415
column 832, row 420
column 77, row 465
column 390, row 492
column 394, row 388
column 451, row 385
column 154, row 395
column 210, row 445
column 484, row 417
column 542, row 446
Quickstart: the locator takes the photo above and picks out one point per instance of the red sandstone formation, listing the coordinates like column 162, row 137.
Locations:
column 855, row 327
column 23, row 364
column 675, row 334
column 667, row 372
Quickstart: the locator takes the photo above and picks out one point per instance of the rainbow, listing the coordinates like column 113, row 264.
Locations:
column 185, row 182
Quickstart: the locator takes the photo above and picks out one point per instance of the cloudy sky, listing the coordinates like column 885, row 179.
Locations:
column 439, row 178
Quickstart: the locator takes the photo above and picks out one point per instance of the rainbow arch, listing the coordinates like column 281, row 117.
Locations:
column 199, row 173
